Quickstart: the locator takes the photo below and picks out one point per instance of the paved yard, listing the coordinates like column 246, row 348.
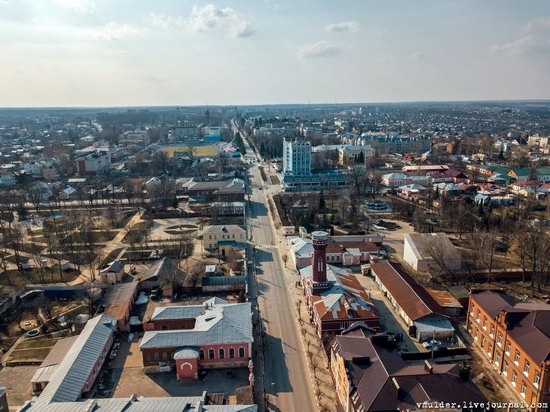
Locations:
column 389, row 319
column 133, row 380
column 17, row 379
column 393, row 239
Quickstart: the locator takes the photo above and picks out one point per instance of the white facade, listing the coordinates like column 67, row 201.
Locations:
column 296, row 157
column 94, row 163
column 211, row 235
column 416, row 252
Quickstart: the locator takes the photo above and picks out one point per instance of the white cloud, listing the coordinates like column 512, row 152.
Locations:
column 535, row 38
column 80, row 6
column 113, row 31
column 351, row 25
column 321, row 49
column 211, row 18
column 162, row 21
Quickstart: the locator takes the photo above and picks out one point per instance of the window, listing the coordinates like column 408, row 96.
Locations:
column 514, row 377
column 505, row 368
column 241, row 352
column 499, row 339
column 537, row 379
column 485, row 323
column 483, row 341
column 523, row 389
column 201, row 354
column 497, row 359
column 516, row 358
column 210, row 353
column 526, row 367
column 231, row 353
column 489, row 350
column 222, row 353
column 507, row 350
column 492, row 329
column 478, row 316
column 156, row 356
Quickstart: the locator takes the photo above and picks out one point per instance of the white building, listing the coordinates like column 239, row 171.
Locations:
column 296, row 157
column 420, row 248
column 93, row 163
column 212, row 235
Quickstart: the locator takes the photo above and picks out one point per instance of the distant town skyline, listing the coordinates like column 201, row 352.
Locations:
column 97, row 53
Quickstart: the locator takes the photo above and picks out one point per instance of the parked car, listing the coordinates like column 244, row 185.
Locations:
column 429, row 344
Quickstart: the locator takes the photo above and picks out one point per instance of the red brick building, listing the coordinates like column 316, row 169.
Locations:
column 515, row 337
column 216, row 334
column 334, row 296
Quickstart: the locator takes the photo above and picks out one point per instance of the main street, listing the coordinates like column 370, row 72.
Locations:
column 286, row 375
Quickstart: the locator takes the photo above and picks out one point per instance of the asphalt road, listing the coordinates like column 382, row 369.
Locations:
column 287, row 380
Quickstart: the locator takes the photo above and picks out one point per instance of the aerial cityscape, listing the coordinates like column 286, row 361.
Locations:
column 269, row 206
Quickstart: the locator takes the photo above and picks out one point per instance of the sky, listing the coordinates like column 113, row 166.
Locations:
column 57, row 53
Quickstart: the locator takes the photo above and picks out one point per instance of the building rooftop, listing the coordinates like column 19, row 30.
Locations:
column 415, row 301
column 215, row 323
column 70, row 377
column 384, row 382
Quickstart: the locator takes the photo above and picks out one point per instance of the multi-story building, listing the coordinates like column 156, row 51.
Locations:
column 216, row 191
column 296, row 157
column 515, row 337
column 369, row 375
column 397, row 144
column 213, row 235
column 354, row 153
column 216, row 334
column 93, row 163
column 334, row 296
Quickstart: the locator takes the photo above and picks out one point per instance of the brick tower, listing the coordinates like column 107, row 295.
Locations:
column 319, row 260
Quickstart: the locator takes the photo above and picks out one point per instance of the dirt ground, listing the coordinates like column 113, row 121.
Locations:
column 17, row 381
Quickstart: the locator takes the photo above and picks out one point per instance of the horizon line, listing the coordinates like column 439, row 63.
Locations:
column 547, row 100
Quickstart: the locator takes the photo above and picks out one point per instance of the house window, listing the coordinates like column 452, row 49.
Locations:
column 507, row 350
column 241, row 352
column 201, row 354
column 222, row 353
column 156, row 356
column 231, row 353
column 526, row 367
column 492, row 329
column 523, row 389
column 514, row 377
column 537, row 379
column 210, row 353
column 499, row 339
column 505, row 368
column 497, row 359
column 478, row 316
column 516, row 358
column 489, row 350
column 485, row 323
column 483, row 341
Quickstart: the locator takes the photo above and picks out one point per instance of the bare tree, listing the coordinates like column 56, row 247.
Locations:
column 442, row 259
column 195, row 273
column 533, row 250
column 90, row 295
column 170, row 276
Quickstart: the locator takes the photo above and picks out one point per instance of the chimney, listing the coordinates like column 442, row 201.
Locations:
column 428, row 366
column 319, row 260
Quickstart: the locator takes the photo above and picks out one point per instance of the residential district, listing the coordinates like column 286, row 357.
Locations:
column 384, row 257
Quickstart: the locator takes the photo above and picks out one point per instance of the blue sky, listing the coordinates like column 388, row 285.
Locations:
column 168, row 52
